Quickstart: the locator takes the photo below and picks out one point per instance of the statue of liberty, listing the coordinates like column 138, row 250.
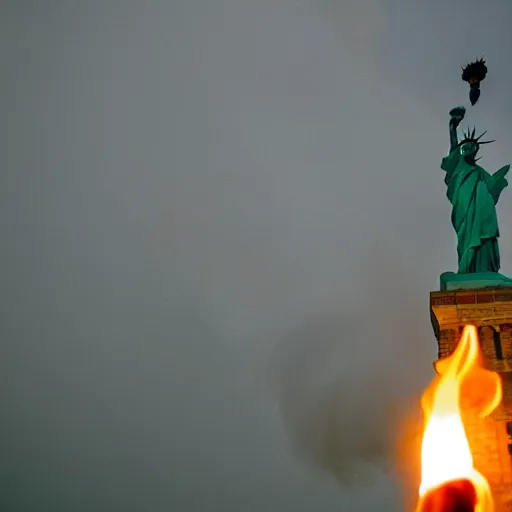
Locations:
column 473, row 194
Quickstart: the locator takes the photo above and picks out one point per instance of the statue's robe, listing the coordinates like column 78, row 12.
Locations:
column 473, row 193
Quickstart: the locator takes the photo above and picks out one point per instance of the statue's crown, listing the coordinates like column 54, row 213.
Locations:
column 469, row 136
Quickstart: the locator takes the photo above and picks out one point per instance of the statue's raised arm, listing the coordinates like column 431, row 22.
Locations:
column 456, row 116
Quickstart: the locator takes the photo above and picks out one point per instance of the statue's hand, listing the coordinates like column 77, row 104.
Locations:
column 501, row 173
column 499, row 182
column 457, row 115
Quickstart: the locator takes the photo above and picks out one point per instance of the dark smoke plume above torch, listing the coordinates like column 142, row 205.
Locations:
column 473, row 74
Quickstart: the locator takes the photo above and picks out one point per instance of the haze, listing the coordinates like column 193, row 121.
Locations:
column 221, row 223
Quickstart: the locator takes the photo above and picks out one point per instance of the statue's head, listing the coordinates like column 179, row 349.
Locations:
column 470, row 145
column 469, row 149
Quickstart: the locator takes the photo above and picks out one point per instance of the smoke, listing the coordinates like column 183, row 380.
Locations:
column 210, row 182
column 321, row 393
column 340, row 379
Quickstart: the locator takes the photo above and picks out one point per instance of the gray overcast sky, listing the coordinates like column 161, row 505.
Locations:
column 222, row 220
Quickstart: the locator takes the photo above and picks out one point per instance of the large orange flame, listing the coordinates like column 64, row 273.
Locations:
column 445, row 452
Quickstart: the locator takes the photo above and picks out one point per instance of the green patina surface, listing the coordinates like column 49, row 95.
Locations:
column 477, row 280
column 473, row 194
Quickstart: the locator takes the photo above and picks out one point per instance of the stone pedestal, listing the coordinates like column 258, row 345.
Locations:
column 489, row 309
